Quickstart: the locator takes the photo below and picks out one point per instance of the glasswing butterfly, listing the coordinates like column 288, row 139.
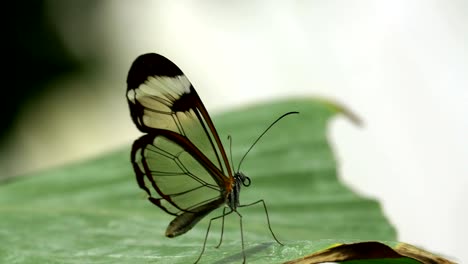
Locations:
column 180, row 161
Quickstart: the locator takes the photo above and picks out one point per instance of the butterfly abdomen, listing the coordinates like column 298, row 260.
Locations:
column 185, row 221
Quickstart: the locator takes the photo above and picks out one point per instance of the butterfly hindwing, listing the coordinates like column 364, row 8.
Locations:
column 179, row 181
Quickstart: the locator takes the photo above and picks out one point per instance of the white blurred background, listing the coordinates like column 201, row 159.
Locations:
column 402, row 66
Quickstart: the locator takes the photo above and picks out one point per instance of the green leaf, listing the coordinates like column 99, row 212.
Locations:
column 93, row 211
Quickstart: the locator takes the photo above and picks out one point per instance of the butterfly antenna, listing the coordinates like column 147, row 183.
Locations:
column 230, row 148
column 268, row 128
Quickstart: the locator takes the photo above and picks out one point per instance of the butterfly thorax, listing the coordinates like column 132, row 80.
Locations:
column 233, row 196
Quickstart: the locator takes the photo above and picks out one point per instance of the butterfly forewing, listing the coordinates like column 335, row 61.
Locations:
column 161, row 97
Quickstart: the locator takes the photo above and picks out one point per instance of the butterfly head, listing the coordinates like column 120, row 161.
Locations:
column 233, row 196
column 242, row 178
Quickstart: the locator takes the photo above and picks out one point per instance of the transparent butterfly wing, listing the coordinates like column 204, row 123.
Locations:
column 161, row 97
column 175, row 180
column 180, row 162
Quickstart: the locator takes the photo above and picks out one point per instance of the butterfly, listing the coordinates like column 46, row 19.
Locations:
column 180, row 161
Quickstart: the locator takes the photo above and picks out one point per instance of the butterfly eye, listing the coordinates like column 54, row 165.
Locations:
column 246, row 181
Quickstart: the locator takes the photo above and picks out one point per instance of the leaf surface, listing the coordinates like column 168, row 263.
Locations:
column 93, row 211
